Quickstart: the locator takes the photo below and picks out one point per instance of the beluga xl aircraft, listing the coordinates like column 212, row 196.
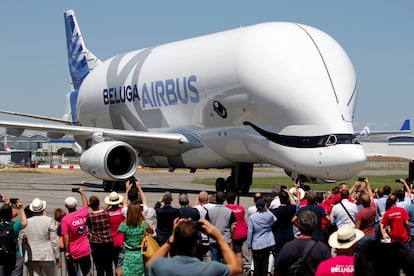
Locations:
column 274, row 93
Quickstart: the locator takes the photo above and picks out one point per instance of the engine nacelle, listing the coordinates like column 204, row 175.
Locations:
column 113, row 160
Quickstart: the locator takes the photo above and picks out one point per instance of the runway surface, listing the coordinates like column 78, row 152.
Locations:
column 55, row 187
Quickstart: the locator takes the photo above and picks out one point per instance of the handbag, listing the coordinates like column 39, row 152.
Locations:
column 148, row 245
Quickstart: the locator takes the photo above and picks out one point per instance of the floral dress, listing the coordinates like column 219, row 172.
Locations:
column 133, row 258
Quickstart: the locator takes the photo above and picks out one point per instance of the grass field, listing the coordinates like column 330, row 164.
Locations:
column 376, row 181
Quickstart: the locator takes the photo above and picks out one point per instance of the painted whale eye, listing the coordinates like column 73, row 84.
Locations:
column 220, row 109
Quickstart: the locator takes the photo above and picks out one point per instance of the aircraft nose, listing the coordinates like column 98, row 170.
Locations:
column 354, row 162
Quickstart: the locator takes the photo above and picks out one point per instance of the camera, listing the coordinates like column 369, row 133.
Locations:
column 397, row 181
column 361, row 179
column 75, row 190
column 13, row 200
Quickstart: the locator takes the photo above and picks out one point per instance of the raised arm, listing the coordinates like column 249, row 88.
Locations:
column 407, row 188
column 127, row 189
column 369, row 188
column 143, row 196
column 83, row 195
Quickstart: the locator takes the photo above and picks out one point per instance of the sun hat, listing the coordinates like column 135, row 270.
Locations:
column 345, row 237
column 71, row 202
column 293, row 192
column 37, row 205
column 114, row 198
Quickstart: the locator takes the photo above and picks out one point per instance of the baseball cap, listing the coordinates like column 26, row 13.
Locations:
column 71, row 202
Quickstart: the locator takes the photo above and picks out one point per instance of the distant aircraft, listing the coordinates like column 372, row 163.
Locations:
column 278, row 93
column 367, row 133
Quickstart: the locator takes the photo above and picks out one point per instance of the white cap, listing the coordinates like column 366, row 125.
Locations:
column 71, row 202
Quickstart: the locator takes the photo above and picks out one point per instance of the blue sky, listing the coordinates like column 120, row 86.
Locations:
column 377, row 35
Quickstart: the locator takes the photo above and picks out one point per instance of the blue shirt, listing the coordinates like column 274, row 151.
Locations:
column 410, row 211
column 260, row 235
column 180, row 265
column 381, row 202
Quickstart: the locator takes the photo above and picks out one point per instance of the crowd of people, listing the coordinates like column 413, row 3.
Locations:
column 350, row 230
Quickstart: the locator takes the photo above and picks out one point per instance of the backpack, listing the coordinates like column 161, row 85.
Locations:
column 7, row 239
column 297, row 268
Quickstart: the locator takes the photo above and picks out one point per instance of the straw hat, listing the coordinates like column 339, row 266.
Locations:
column 293, row 192
column 37, row 205
column 114, row 198
column 345, row 237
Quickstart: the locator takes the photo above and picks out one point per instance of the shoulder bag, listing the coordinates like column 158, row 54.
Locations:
column 148, row 245
column 297, row 268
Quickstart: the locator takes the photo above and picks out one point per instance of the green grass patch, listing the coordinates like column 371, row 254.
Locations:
column 376, row 181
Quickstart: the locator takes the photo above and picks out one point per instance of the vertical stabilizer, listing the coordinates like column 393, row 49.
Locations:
column 81, row 60
column 406, row 125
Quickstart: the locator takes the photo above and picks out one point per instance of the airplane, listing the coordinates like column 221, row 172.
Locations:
column 276, row 93
column 366, row 133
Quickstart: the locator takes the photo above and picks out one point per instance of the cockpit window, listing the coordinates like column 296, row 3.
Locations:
column 332, row 140
column 306, row 141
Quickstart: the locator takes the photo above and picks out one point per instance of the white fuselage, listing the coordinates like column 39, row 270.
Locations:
column 287, row 79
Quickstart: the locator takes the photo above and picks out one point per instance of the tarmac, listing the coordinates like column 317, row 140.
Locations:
column 54, row 186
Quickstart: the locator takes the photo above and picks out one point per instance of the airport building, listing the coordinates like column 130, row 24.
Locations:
column 37, row 148
column 401, row 146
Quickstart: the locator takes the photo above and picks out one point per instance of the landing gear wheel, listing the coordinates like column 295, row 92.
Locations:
column 230, row 185
column 220, row 184
column 107, row 186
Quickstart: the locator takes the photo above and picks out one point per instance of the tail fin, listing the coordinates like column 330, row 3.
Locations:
column 406, row 125
column 81, row 60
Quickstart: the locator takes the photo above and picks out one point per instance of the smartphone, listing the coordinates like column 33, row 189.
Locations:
column 75, row 190
column 397, row 181
column 13, row 200
column 361, row 179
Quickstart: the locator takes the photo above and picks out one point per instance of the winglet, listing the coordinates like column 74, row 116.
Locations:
column 81, row 60
column 406, row 125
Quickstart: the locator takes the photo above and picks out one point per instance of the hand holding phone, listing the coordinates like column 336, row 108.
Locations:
column 13, row 200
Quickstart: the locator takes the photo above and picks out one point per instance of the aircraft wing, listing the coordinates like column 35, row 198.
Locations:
column 156, row 142
column 366, row 132
column 39, row 117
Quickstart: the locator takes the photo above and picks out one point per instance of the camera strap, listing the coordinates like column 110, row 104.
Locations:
column 347, row 212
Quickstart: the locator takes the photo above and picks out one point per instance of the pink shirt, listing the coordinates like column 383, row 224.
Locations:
column 75, row 224
column 336, row 266
column 240, row 231
column 115, row 219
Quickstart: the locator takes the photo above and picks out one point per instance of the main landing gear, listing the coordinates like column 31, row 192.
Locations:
column 239, row 181
column 110, row 186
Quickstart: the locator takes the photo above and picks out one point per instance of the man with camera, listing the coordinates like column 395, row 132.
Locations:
column 185, row 239
column 74, row 231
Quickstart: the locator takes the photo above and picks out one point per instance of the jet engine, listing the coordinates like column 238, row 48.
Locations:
column 111, row 160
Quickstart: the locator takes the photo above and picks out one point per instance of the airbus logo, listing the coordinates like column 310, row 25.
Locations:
column 156, row 93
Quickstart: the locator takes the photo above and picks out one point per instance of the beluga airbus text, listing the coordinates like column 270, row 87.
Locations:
column 278, row 93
